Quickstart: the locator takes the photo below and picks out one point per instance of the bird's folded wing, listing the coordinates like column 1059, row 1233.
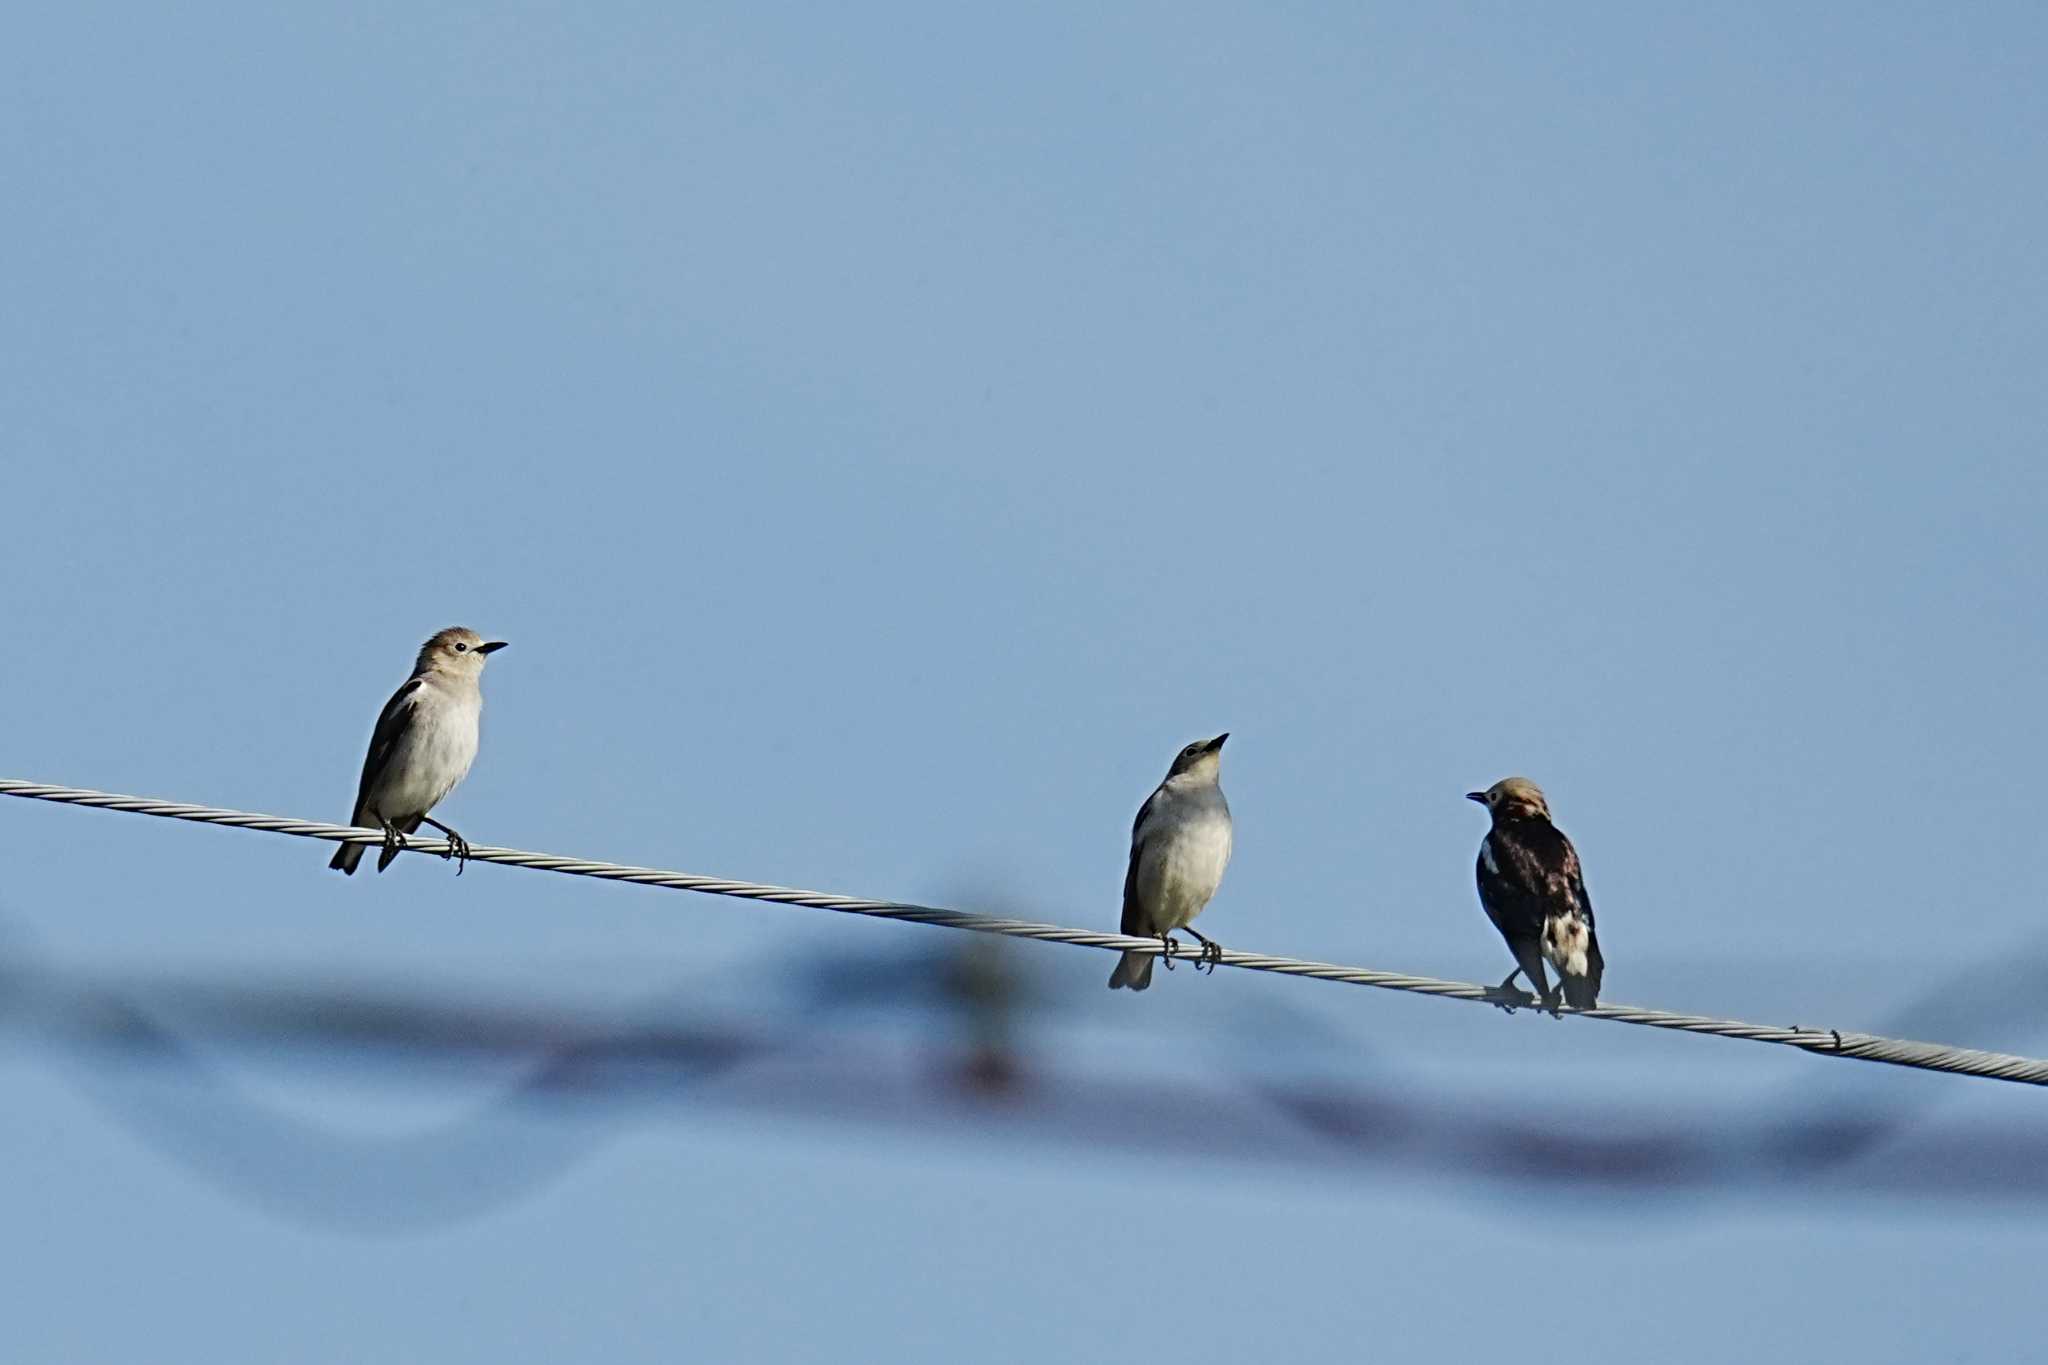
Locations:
column 1575, row 878
column 1134, row 922
column 1541, row 871
column 391, row 725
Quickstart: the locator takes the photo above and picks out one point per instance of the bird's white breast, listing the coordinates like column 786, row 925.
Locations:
column 1186, row 847
column 432, row 754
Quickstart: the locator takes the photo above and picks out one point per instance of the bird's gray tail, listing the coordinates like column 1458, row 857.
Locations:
column 1133, row 970
column 346, row 857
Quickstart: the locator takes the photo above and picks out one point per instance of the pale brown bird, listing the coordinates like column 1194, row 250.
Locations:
column 423, row 745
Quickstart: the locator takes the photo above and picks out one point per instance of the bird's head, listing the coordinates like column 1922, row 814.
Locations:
column 1513, row 798
column 1202, row 759
column 456, row 650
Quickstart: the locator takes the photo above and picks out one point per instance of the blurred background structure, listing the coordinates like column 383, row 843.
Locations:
column 885, row 436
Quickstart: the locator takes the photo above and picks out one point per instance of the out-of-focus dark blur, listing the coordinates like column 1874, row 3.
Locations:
column 954, row 1038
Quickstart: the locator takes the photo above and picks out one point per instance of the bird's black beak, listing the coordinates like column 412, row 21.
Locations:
column 1480, row 797
column 1216, row 744
column 492, row 646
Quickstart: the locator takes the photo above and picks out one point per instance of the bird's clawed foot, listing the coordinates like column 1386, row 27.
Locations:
column 458, row 847
column 1172, row 946
column 1551, row 1002
column 393, row 840
column 1211, row 954
column 1508, row 997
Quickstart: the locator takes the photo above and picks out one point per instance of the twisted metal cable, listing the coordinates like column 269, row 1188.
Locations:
column 1867, row 1047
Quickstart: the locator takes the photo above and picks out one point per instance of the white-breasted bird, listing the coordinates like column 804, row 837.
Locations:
column 423, row 745
column 1180, row 845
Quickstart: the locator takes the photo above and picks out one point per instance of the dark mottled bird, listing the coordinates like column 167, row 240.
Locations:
column 1533, row 891
column 1180, row 844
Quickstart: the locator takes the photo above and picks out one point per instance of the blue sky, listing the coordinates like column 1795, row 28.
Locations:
column 885, row 437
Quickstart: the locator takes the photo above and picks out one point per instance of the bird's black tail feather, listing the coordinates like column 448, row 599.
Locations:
column 1133, row 970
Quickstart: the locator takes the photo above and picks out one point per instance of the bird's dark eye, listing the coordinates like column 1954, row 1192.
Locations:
column 1189, row 752
column 461, row 648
